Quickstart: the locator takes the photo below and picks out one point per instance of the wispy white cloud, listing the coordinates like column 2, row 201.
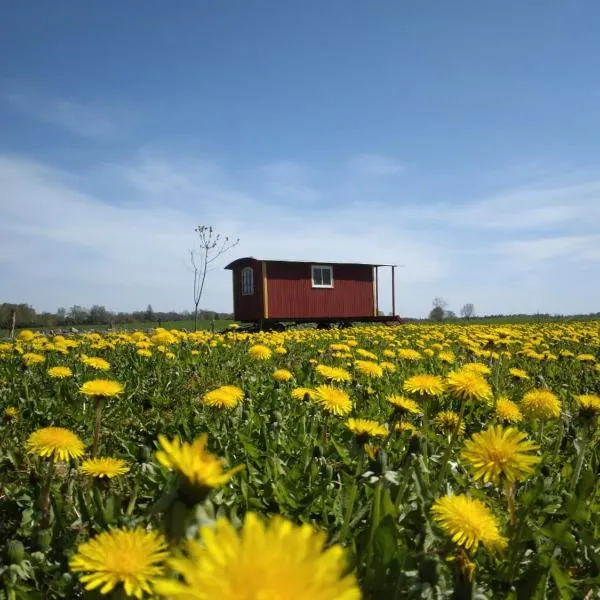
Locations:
column 120, row 236
column 69, row 114
column 376, row 165
column 535, row 207
column 571, row 248
column 79, row 248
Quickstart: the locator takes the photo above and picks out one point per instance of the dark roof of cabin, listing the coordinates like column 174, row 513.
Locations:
column 237, row 261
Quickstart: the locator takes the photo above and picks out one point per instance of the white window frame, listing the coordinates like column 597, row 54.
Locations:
column 312, row 275
column 247, row 282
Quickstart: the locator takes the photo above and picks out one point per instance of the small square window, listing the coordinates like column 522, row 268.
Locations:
column 322, row 276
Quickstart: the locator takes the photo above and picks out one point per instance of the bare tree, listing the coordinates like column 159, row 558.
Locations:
column 212, row 245
column 467, row 311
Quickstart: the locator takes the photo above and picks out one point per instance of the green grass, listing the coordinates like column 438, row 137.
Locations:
column 188, row 324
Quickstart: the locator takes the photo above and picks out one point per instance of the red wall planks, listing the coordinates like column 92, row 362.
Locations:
column 291, row 295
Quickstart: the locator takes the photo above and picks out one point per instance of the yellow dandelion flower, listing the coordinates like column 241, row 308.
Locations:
column 403, row 405
column 589, row 404
column 409, row 354
column 104, row 467
column 499, row 453
column 302, row 392
column 11, row 412
column 56, row 443
column 26, row 335
column 468, row 385
column 405, row 426
column 96, row 362
column 540, row 404
column 507, row 410
column 365, row 353
column 120, row 557
column 147, row 353
column 101, row 387
column 260, row 352
column 226, row 396
column 282, row 375
column 446, row 357
column 32, row 358
column 60, row 372
column 277, row 559
column 476, row 367
column 586, row 358
column 280, row 350
column 518, row 373
column 344, row 348
column 199, row 467
column 368, row 368
column 424, row 385
column 468, row 521
column 333, row 373
column 388, row 366
column 447, row 421
column 333, row 400
column 365, row 428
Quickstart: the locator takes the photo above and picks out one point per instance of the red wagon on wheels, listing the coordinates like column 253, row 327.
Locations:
column 271, row 293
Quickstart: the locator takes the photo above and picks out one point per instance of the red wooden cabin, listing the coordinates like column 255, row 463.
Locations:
column 282, row 290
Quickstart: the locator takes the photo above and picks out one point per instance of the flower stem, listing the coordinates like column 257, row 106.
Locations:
column 425, row 428
column 45, row 497
column 453, row 437
column 580, row 457
column 509, row 492
column 97, row 424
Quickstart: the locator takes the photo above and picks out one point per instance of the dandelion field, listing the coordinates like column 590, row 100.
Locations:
column 453, row 461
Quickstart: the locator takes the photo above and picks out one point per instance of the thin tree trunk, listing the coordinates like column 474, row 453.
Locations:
column 13, row 322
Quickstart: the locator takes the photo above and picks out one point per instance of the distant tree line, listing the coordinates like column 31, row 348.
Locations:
column 440, row 312
column 27, row 316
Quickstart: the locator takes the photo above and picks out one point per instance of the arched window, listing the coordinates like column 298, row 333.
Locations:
column 247, row 281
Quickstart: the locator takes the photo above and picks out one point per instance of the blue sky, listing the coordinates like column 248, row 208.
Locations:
column 457, row 139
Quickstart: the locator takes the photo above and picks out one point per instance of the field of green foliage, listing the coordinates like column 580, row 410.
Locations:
column 415, row 461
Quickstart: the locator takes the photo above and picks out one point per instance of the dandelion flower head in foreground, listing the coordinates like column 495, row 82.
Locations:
column 368, row 368
column 60, row 372
column 500, row 453
column 11, row 412
column 132, row 558
column 518, row 373
column 468, row 521
column 271, row 561
column 333, row 373
column 424, row 385
column 282, row 375
column 540, row 404
column 32, row 358
column 104, row 467
column 588, row 404
column 56, row 443
column 301, row 393
column 507, row 410
column 95, row 362
column 409, row 354
column 403, row 405
column 333, row 400
column 226, row 396
column 447, row 421
column 102, row 387
column 468, row 384
column 194, row 462
column 260, row 352
column 366, row 428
